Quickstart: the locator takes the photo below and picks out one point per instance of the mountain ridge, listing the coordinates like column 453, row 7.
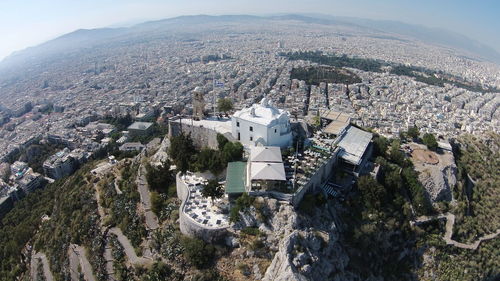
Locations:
column 89, row 37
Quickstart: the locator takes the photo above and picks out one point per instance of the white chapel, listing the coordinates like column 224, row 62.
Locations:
column 262, row 124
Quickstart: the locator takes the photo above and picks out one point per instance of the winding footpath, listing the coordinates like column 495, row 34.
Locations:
column 35, row 259
column 450, row 221
column 129, row 249
column 77, row 257
column 145, row 205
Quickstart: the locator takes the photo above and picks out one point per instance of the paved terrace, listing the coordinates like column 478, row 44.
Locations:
column 220, row 125
column 307, row 163
column 200, row 209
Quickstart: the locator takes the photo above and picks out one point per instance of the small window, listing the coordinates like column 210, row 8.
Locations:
column 251, row 129
column 239, row 137
column 251, row 138
column 275, row 131
column 237, row 124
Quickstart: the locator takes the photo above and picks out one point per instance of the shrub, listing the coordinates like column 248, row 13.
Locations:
column 182, row 150
column 310, row 202
column 243, row 267
column 212, row 189
column 221, row 141
column 156, row 203
column 209, row 275
column 159, row 178
column 430, row 141
column 380, row 146
column 413, row 132
column 243, row 202
column 197, row 252
column 224, row 105
column 256, row 245
column 254, row 231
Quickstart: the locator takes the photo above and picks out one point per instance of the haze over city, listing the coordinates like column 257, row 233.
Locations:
column 249, row 140
column 27, row 23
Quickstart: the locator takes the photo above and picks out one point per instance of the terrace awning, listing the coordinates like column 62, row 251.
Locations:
column 265, row 154
column 267, row 171
column 235, row 177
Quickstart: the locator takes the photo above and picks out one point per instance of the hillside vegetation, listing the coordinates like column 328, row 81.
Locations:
column 478, row 208
column 424, row 75
column 382, row 243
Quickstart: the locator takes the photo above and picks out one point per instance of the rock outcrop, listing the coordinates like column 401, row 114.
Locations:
column 438, row 180
column 437, row 176
column 307, row 248
column 282, row 268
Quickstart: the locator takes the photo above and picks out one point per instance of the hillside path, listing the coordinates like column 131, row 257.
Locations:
column 450, row 221
column 77, row 257
column 129, row 249
column 145, row 206
column 35, row 259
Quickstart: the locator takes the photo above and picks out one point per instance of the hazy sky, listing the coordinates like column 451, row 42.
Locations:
column 25, row 23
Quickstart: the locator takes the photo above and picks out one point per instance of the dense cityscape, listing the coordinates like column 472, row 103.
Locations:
column 126, row 99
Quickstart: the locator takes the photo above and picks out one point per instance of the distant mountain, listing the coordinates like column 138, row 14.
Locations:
column 87, row 38
column 200, row 19
column 436, row 36
column 81, row 38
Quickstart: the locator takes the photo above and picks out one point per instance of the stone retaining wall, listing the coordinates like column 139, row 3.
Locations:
column 201, row 136
column 317, row 180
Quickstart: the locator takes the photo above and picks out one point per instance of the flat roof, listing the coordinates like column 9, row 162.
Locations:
column 335, row 127
column 222, row 126
column 354, row 143
column 236, row 177
column 265, row 154
column 334, row 115
column 140, row 126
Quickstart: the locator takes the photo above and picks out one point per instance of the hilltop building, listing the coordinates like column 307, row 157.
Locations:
column 262, row 124
column 356, row 149
column 266, row 167
column 263, row 171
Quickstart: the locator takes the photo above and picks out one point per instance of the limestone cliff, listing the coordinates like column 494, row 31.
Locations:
column 306, row 247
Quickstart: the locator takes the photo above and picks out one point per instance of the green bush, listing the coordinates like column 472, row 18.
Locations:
column 221, row 141
column 310, row 202
column 413, row 132
column 156, row 202
column 209, row 275
column 242, row 203
column 430, row 141
column 256, row 244
column 380, row 146
column 182, row 151
column 224, row 105
column 160, row 178
column 197, row 252
column 254, row 231
column 213, row 189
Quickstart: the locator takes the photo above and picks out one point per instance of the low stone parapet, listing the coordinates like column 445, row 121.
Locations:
column 189, row 226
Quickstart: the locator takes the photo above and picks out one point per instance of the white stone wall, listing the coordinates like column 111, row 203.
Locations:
column 188, row 226
column 277, row 134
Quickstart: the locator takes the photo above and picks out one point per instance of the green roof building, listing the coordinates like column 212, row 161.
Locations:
column 236, row 178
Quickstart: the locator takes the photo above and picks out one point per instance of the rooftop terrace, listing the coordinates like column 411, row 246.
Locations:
column 202, row 210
